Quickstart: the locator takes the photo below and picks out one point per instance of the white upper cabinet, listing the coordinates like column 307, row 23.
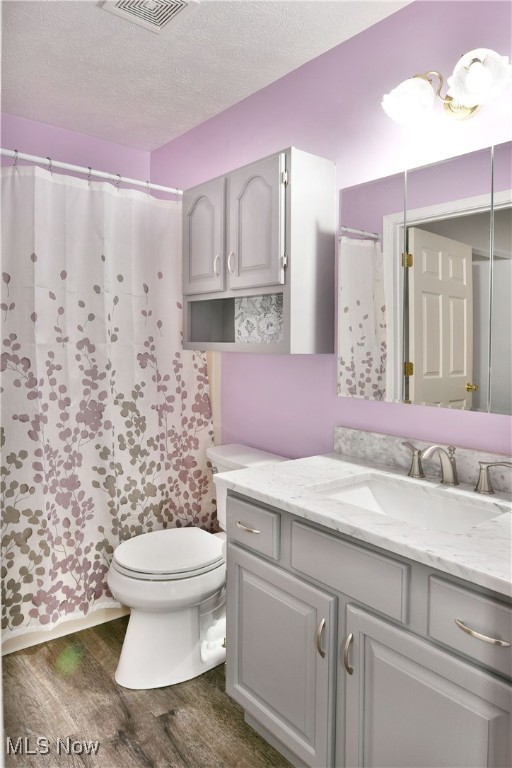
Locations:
column 256, row 245
column 258, row 258
column 203, row 238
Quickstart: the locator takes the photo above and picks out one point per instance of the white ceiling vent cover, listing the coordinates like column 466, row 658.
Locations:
column 150, row 14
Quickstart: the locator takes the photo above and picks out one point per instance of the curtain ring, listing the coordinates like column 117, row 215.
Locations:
column 118, row 181
column 49, row 164
column 89, row 174
column 15, row 159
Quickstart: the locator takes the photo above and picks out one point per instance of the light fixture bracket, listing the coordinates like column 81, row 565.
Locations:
column 457, row 110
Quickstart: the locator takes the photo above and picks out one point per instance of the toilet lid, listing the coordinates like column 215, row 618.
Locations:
column 170, row 552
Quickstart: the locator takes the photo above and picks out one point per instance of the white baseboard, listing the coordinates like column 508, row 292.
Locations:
column 28, row 639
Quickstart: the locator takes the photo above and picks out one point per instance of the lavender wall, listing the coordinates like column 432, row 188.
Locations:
column 45, row 140
column 331, row 106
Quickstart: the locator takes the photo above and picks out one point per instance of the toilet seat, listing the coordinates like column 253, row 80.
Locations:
column 174, row 553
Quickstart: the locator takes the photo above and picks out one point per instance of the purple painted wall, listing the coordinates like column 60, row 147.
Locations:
column 34, row 138
column 331, row 106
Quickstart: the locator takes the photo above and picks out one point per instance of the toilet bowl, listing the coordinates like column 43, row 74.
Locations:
column 167, row 578
column 173, row 581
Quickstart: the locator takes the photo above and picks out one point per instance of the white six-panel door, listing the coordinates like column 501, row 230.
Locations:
column 440, row 320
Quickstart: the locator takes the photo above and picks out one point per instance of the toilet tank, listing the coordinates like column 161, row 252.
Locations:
column 225, row 458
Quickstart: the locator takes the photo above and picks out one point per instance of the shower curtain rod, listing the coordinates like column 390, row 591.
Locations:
column 115, row 177
column 362, row 232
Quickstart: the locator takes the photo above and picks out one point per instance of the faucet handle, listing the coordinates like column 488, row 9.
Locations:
column 451, row 456
column 484, row 484
column 415, row 470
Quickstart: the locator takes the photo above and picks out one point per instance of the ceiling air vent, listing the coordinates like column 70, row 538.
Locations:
column 150, row 14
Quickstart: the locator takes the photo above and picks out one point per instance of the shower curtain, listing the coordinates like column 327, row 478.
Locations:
column 105, row 421
column 361, row 320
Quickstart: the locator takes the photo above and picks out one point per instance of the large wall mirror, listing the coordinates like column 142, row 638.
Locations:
column 425, row 285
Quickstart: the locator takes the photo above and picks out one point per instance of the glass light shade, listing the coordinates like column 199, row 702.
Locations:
column 479, row 76
column 410, row 101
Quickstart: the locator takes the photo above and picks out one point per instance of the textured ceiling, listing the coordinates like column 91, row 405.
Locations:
column 70, row 64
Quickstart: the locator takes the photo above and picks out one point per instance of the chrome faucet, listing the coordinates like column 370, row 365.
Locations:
column 447, row 459
column 484, row 484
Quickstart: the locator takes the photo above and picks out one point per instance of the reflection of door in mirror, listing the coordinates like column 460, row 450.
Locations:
column 461, row 318
column 468, row 199
column 440, row 320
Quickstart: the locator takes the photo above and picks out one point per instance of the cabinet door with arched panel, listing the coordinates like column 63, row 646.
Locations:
column 256, row 211
column 203, row 237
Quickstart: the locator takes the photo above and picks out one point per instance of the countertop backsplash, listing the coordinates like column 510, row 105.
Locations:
column 387, row 450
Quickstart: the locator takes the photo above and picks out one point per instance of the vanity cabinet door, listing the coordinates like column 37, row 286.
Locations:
column 280, row 655
column 411, row 705
column 256, row 205
column 204, row 238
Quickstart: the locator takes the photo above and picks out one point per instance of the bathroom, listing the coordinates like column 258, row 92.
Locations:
column 199, row 101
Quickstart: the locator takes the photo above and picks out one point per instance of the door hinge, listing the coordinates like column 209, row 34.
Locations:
column 408, row 368
column 284, row 177
column 407, row 260
column 284, row 260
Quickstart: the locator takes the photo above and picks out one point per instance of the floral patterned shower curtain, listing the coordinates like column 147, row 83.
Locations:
column 105, row 421
column 362, row 345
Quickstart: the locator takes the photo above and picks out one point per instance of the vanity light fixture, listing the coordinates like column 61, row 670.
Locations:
column 479, row 76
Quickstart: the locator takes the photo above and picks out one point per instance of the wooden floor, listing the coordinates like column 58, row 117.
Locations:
column 65, row 689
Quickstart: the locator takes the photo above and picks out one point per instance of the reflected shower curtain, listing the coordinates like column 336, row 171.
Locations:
column 105, row 421
column 361, row 320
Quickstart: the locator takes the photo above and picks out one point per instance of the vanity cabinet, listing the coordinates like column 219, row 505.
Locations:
column 406, row 685
column 258, row 257
column 281, row 654
column 410, row 704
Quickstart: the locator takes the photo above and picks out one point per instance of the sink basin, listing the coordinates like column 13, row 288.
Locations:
column 420, row 504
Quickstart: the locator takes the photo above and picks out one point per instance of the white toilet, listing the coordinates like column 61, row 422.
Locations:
column 173, row 581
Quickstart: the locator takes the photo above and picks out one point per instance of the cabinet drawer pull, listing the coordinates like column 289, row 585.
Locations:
column 346, row 649
column 246, row 528
column 478, row 636
column 216, row 264
column 319, row 638
column 230, row 264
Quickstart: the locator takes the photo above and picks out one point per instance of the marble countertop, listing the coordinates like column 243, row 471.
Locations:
column 481, row 554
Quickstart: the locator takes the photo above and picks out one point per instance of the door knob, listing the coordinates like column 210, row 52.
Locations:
column 471, row 387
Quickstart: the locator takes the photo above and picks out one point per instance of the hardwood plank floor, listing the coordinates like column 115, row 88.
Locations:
column 65, row 689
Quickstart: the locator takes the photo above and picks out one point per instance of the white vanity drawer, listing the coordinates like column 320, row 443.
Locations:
column 254, row 527
column 479, row 615
column 377, row 581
